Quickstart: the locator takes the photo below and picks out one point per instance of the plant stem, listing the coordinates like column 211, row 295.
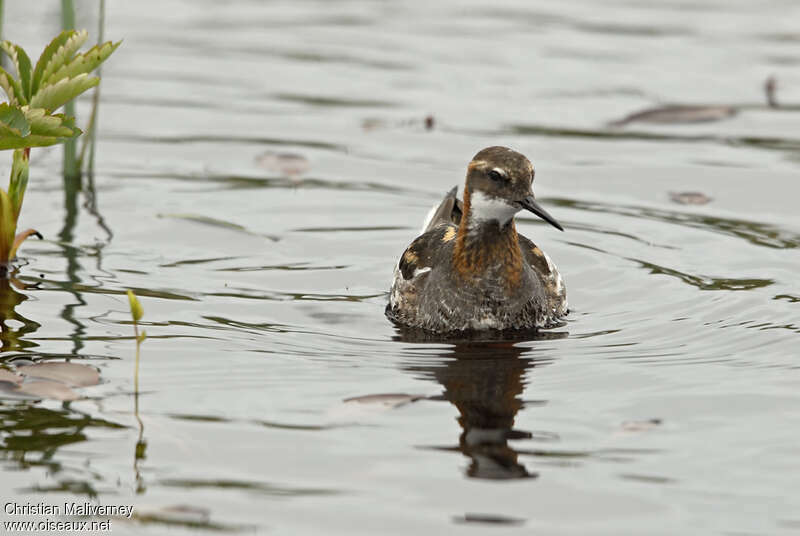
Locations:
column 90, row 140
column 141, row 445
column 136, row 366
column 2, row 12
column 67, row 15
column 70, row 168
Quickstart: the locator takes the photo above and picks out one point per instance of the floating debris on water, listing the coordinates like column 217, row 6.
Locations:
column 678, row 114
column 488, row 519
column 206, row 220
column 48, row 380
column 373, row 123
column 770, row 86
column 72, row 374
column 357, row 409
column 39, row 389
column 689, row 198
column 10, row 377
column 697, row 113
column 389, row 400
column 641, row 426
column 292, row 165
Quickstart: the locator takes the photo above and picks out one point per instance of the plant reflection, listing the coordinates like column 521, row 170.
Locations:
column 31, row 435
column 71, row 189
column 12, row 338
column 140, row 450
column 484, row 380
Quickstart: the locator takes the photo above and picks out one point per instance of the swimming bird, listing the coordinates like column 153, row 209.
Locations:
column 470, row 269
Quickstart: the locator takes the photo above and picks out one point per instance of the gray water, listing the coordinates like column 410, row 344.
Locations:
column 667, row 404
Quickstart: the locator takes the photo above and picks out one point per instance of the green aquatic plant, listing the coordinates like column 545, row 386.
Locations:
column 28, row 120
column 10, row 206
column 141, row 444
column 136, row 313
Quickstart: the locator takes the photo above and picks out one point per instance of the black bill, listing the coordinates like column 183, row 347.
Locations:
column 529, row 203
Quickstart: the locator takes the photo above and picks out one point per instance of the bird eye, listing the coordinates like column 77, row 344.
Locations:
column 496, row 176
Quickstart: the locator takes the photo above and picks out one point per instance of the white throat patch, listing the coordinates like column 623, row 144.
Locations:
column 485, row 208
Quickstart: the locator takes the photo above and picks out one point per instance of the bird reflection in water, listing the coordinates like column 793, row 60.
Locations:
column 484, row 380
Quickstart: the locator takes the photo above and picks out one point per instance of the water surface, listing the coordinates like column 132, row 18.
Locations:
column 667, row 404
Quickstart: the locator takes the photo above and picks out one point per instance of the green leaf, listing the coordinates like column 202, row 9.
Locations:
column 53, row 97
column 40, row 128
column 47, row 54
column 136, row 308
column 60, row 56
column 8, row 228
column 83, row 63
column 33, row 141
column 45, row 130
column 20, row 238
column 13, row 118
column 5, row 83
column 23, row 65
column 12, row 88
column 18, row 181
column 58, row 125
